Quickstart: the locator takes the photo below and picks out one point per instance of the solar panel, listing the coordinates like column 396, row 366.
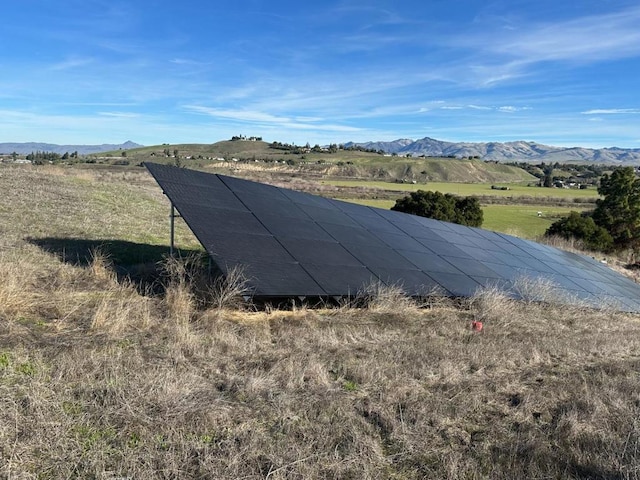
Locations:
column 293, row 244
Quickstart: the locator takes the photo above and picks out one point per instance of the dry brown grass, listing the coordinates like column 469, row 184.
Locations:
column 98, row 380
column 541, row 393
column 16, row 286
column 380, row 298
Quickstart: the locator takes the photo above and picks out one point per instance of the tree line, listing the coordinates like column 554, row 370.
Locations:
column 40, row 158
column 614, row 224
column 331, row 148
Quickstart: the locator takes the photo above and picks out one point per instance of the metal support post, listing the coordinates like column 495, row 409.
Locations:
column 173, row 230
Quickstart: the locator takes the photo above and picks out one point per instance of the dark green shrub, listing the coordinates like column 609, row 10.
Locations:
column 582, row 227
column 446, row 207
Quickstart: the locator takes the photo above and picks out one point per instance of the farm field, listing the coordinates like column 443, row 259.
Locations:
column 468, row 189
column 523, row 220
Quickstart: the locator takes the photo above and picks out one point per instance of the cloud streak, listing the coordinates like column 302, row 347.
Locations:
column 585, row 39
column 258, row 117
column 611, row 111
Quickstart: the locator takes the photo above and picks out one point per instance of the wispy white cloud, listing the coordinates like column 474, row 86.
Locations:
column 259, row 117
column 372, row 14
column 71, row 63
column 478, row 107
column 185, row 61
column 240, row 115
column 27, row 126
column 520, row 51
column 585, row 39
column 96, row 104
column 119, row 114
column 611, row 111
column 508, row 109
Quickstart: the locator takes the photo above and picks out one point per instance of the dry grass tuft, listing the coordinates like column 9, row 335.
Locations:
column 101, row 267
column 531, row 290
column 493, row 306
column 436, row 298
column 179, row 298
column 229, row 291
column 122, row 309
column 144, row 390
column 381, row 298
column 17, row 285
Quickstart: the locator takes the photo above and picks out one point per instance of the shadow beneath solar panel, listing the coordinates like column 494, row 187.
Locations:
column 139, row 263
column 144, row 266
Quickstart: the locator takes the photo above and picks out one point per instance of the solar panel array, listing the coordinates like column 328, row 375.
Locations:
column 293, row 244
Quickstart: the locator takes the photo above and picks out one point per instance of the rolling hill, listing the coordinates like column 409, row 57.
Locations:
column 259, row 156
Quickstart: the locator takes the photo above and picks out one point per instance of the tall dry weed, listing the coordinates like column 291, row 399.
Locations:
column 381, row 298
column 101, row 267
column 230, row 290
column 493, row 306
column 537, row 289
column 18, row 294
column 179, row 297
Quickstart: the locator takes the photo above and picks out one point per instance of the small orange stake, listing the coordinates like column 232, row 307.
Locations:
column 476, row 326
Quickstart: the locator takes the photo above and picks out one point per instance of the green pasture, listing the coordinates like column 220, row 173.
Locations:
column 523, row 220
column 468, row 189
column 519, row 220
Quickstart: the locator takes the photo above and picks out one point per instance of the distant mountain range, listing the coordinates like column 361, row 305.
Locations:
column 505, row 152
column 26, row 148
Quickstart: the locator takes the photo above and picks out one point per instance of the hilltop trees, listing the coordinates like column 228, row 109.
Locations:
column 446, row 207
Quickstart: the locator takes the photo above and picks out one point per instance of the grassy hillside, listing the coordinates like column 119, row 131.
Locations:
column 249, row 155
column 100, row 378
column 70, row 212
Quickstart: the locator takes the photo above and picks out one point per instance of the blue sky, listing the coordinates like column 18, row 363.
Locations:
column 152, row 71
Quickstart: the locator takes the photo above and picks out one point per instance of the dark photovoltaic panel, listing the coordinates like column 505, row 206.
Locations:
column 293, row 244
